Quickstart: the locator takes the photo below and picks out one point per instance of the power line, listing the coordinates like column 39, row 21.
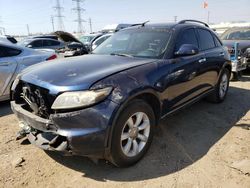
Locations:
column 79, row 11
column 59, row 15
column 175, row 18
column 28, row 29
column 90, row 25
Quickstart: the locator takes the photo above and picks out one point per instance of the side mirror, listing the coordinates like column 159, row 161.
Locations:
column 186, row 50
column 29, row 46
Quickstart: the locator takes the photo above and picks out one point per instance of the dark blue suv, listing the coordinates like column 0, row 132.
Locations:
column 107, row 104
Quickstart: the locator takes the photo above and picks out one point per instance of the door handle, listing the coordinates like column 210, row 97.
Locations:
column 5, row 64
column 222, row 54
column 202, row 60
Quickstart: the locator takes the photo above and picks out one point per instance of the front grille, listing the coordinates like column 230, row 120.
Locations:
column 36, row 99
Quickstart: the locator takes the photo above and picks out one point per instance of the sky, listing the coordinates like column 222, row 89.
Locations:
column 16, row 14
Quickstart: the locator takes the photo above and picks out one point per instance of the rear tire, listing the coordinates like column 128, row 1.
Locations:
column 220, row 92
column 132, row 134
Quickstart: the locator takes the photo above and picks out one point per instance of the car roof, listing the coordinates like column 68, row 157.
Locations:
column 11, row 45
column 168, row 25
column 34, row 39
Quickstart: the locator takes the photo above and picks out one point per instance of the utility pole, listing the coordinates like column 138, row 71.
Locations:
column 175, row 18
column 79, row 11
column 52, row 22
column 28, row 29
column 90, row 25
column 208, row 16
column 59, row 16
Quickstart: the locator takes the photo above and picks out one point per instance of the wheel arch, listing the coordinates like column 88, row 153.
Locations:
column 150, row 97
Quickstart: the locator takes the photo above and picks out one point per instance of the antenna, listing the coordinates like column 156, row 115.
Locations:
column 59, row 15
column 79, row 11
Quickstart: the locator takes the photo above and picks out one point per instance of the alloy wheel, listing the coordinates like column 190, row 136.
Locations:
column 135, row 134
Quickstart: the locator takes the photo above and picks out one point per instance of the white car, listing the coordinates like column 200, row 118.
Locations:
column 13, row 59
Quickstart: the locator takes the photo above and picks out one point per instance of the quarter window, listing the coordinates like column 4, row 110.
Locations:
column 206, row 39
column 8, row 52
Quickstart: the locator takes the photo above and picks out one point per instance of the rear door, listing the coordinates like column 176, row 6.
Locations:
column 184, row 83
column 8, row 65
column 214, row 58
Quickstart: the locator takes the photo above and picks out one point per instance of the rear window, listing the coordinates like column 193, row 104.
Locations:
column 206, row 39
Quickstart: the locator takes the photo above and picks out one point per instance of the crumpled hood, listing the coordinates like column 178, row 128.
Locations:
column 243, row 44
column 77, row 73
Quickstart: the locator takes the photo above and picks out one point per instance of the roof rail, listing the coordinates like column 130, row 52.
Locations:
column 184, row 21
column 142, row 24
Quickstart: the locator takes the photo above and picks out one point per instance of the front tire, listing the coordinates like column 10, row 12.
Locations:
column 132, row 134
column 220, row 92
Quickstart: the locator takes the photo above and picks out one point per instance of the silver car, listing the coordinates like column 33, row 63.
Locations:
column 42, row 43
column 14, row 59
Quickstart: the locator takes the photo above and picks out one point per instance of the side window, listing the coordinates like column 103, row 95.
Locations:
column 99, row 41
column 37, row 43
column 217, row 41
column 8, row 52
column 54, row 43
column 206, row 39
column 47, row 43
column 187, row 37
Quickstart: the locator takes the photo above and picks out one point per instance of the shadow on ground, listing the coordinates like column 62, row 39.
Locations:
column 180, row 141
column 5, row 108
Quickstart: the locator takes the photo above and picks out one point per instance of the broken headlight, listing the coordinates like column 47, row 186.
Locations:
column 78, row 99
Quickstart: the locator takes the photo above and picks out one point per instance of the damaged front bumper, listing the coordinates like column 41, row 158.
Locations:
column 82, row 132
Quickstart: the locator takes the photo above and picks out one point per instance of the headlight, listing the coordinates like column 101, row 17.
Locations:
column 77, row 99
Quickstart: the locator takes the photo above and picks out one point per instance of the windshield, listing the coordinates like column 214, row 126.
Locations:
column 241, row 34
column 86, row 39
column 142, row 42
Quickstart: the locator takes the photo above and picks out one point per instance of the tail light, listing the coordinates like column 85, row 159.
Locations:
column 52, row 57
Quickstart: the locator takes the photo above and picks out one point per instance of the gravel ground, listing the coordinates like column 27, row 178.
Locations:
column 205, row 145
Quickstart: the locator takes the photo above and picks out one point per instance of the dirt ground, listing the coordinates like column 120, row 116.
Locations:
column 205, row 145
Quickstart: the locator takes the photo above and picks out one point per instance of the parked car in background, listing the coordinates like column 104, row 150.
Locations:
column 107, row 104
column 42, row 43
column 115, row 27
column 237, row 40
column 100, row 40
column 48, row 36
column 73, row 46
column 87, row 39
column 13, row 59
column 8, row 39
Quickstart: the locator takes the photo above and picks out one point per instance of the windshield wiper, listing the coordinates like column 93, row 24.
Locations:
column 124, row 55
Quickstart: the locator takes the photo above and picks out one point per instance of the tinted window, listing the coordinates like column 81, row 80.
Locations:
column 99, row 41
column 217, row 42
column 187, row 37
column 206, row 39
column 37, row 43
column 50, row 43
column 8, row 52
